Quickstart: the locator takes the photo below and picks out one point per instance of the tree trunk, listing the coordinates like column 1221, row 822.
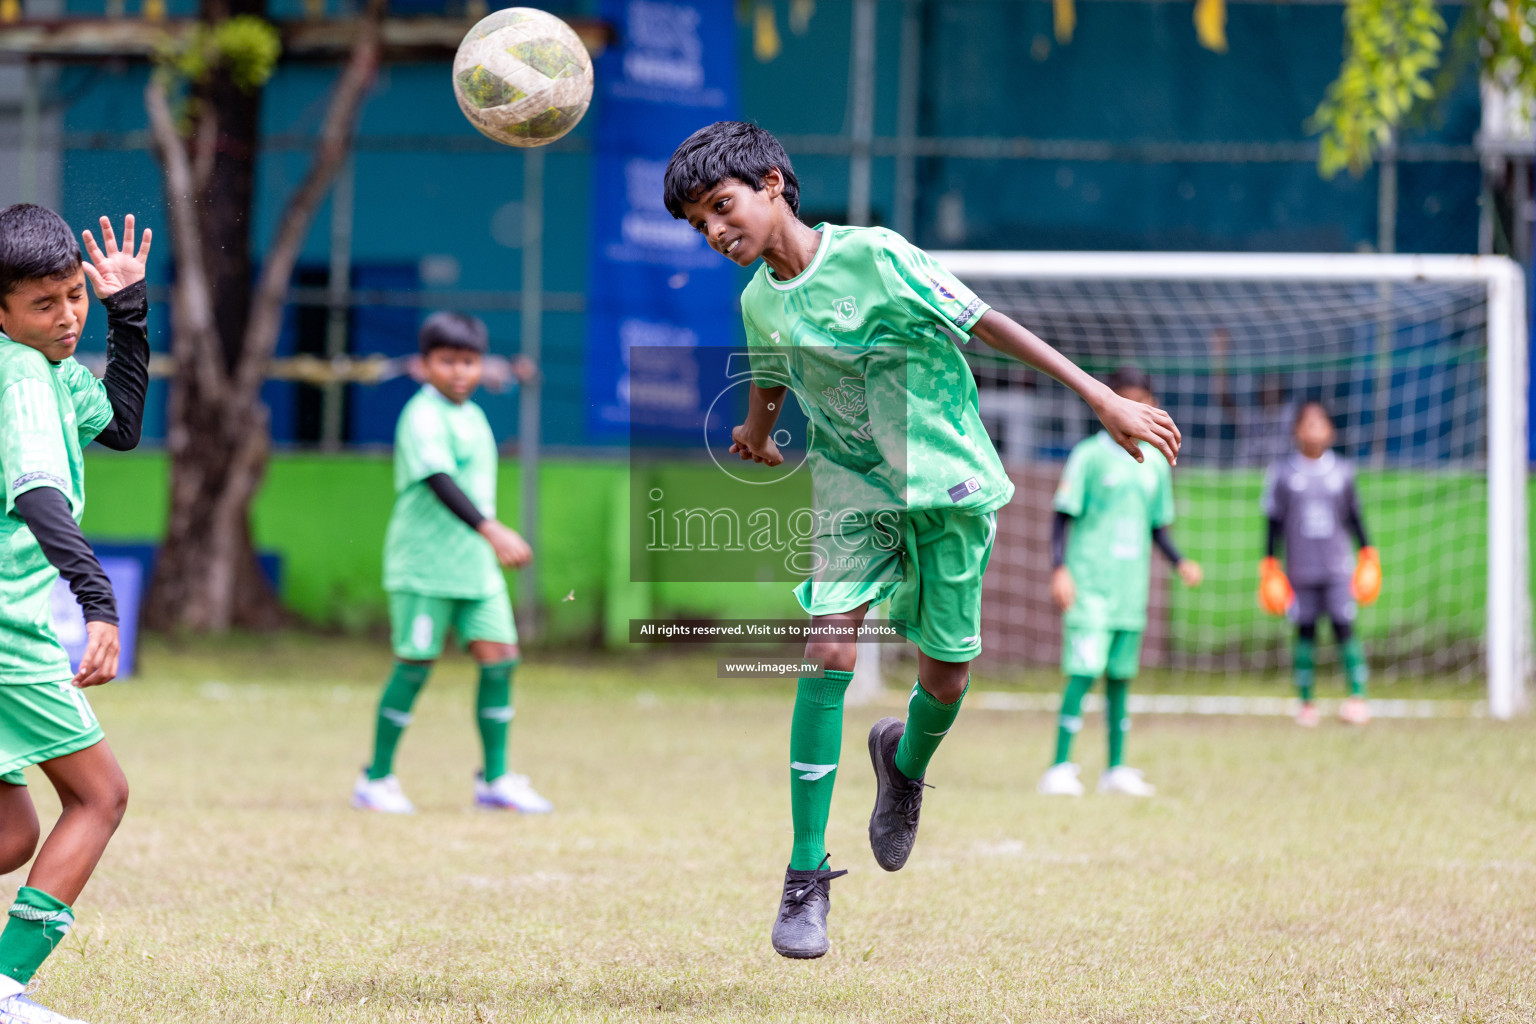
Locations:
column 223, row 333
column 208, row 579
column 226, row 192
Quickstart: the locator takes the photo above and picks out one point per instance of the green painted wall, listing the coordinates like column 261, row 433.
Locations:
column 326, row 514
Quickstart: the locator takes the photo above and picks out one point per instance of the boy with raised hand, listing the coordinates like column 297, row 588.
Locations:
column 1114, row 510
column 1310, row 503
column 50, row 408
column 443, row 554
column 866, row 328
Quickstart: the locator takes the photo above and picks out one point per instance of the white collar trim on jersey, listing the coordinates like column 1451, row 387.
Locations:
column 804, row 275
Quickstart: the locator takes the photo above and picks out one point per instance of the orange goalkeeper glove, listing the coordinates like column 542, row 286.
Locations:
column 1274, row 589
column 1366, row 586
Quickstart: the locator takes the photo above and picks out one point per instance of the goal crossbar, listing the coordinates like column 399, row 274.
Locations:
column 1508, row 656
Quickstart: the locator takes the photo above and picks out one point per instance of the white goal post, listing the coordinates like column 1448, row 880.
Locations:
column 1506, row 647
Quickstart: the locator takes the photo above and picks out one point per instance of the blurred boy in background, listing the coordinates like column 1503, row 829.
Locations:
column 443, row 554
column 1115, row 509
column 1310, row 502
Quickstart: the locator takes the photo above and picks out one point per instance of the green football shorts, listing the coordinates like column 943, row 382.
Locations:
column 929, row 565
column 42, row 721
column 1091, row 652
column 419, row 623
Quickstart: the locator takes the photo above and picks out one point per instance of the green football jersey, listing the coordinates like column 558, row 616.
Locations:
column 868, row 339
column 428, row 549
column 48, row 413
column 1116, row 503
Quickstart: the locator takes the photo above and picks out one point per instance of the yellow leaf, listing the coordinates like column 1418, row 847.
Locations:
column 800, row 13
column 1066, row 20
column 1211, row 24
column 766, row 43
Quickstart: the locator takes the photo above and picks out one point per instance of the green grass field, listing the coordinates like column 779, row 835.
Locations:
column 1280, row 876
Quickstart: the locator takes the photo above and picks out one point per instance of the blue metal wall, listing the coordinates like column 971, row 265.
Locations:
column 1133, row 73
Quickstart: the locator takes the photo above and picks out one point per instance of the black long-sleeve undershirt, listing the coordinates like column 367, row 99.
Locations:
column 457, row 501
column 127, row 376
column 46, row 512
column 1062, row 522
column 1165, row 544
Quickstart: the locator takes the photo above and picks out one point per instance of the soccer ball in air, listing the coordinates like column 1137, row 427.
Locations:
column 522, row 77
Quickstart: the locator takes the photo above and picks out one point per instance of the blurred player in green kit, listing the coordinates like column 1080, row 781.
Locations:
column 51, row 407
column 1115, row 510
column 443, row 554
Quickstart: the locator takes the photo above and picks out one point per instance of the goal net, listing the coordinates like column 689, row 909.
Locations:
column 1421, row 361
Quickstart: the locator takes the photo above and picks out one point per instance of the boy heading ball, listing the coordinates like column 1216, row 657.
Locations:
column 862, row 310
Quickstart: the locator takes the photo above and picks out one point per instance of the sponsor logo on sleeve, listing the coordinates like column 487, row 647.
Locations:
column 964, row 489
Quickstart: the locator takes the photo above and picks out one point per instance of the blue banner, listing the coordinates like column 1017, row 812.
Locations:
column 654, row 281
column 126, row 574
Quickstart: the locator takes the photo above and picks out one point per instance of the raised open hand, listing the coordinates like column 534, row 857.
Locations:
column 117, row 268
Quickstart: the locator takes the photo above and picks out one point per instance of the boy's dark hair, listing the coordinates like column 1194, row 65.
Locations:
column 1308, row 406
column 1130, row 377
column 726, row 149
column 35, row 243
column 446, row 329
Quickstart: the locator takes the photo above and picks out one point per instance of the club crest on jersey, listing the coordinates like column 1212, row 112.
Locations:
column 846, row 312
column 941, row 289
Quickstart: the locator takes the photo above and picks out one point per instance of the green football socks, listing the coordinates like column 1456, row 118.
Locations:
column 493, row 711
column 1355, row 668
column 815, row 742
column 1303, row 664
column 37, row 924
column 1116, row 720
column 395, row 714
column 928, row 719
column 1070, row 723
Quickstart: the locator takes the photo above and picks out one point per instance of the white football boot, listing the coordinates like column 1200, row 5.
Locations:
column 382, row 795
column 1126, row 781
column 17, row 1008
column 1061, row 780
column 1355, row 711
column 510, row 793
